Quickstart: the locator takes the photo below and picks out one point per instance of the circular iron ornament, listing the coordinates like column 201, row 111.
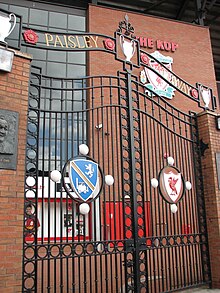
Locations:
column 171, row 184
column 77, row 179
column 144, row 58
column 30, row 37
column 194, row 93
column 109, row 44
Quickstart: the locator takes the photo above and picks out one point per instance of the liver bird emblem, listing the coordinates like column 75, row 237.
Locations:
column 172, row 182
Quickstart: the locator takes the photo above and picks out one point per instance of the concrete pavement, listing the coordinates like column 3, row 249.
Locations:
column 202, row 290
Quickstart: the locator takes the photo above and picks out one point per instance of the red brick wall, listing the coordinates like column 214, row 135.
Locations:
column 209, row 134
column 14, row 97
column 192, row 61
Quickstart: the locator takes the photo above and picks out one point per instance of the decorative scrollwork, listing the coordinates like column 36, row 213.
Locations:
column 126, row 28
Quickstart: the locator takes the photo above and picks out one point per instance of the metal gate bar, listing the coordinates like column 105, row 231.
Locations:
column 130, row 241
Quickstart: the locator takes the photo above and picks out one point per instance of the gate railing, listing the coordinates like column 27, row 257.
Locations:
column 145, row 128
column 130, row 228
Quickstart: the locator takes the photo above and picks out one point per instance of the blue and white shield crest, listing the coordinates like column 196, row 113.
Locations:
column 83, row 176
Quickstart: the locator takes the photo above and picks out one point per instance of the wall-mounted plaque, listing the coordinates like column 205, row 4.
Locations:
column 8, row 139
column 218, row 168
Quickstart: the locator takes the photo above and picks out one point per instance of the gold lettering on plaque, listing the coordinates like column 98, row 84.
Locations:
column 58, row 41
column 78, row 43
column 95, row 40
column 49, row 38
column 181, row 85
column 65, row 40
column 87, row 41
column 71, row 41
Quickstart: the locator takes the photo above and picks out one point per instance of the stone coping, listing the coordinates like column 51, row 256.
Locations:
column 18, row 53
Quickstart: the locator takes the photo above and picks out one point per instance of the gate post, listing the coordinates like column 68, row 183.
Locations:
column 13, row 98
column 136, row 273
column 209, row 134
column 135, row 245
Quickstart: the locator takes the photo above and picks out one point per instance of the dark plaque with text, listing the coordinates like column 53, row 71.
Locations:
column 8, row 139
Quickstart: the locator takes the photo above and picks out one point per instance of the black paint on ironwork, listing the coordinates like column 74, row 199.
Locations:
column 203, row 237
column 125, row 27
column 203, row 146
column 130, row 241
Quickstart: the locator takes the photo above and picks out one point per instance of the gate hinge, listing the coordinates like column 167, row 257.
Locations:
column 142, row 243
column 129, row 245
column 203, row 147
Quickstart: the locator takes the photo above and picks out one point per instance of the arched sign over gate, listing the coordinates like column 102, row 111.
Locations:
column 129, row 241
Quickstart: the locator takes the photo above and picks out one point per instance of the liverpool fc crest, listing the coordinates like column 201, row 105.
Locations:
column 153, row 81
column 171, row 184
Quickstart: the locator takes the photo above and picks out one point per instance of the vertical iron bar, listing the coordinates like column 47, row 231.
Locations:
column 55, row 198
column 155, row 198
column 113, row 117
column 36, row 195
column 95, row 202
column 194, row 212
column 123, row 263
column 136, row 270
column 48, row 176
column 200, row 201
column 73, row 204
column 168, row 213
column 161, row 140
column 177, row 158
column 62, row 139
column 43, row 198
column 183, row 203
column 148, row 199
column 160, row 206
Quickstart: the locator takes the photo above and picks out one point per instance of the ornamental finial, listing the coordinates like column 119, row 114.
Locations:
column 125, row 27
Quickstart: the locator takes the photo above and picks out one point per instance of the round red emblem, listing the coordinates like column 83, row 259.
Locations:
column 30, row 37
column 144, row 58
column 109, row 44
column 194, row 93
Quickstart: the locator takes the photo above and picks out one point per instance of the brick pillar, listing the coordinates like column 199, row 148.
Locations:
column 209, row 134
column 13, row 97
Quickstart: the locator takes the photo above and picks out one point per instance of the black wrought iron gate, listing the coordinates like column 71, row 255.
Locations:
column 130, row 241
